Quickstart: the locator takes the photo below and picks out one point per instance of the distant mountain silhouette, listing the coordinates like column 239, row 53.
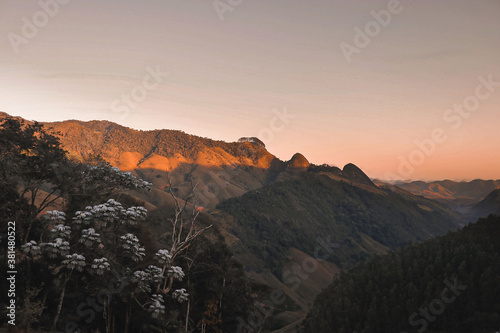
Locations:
column 450, row 190
column 487, row 206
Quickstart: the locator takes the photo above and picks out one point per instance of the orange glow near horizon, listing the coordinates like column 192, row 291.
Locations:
column 276, row 71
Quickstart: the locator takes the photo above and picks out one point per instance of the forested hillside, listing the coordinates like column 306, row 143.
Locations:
column 447, row 284
column 295, row 212
column 489, row 205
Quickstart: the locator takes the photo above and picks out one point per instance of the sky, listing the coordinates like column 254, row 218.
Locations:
column 403, row 89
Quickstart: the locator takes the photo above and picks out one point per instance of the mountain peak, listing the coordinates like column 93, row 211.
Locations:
column 298, row 161
column 356, row 175
column 254, row 140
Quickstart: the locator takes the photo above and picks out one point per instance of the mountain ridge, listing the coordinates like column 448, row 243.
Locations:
column 162, row 156
column 476, row 189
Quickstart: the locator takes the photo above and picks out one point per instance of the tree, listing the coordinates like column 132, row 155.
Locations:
column 159, row 280
column 103, row 240
column 29, row 161
column 36, row 174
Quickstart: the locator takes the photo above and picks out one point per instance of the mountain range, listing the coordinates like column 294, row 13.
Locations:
column 451, row 191
column 462, row 196
column 275, row 215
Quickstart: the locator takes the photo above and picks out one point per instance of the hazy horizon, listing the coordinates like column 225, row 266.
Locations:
column 281, row 158
column 418, row 98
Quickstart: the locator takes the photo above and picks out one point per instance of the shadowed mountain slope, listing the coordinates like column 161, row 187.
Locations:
column 487, row 206
column 295, row 212
column 268, row 227
column 447, row 284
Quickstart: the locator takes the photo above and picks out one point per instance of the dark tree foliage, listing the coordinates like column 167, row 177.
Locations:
column 447, row 284
column 217, row 284
column 29, row 162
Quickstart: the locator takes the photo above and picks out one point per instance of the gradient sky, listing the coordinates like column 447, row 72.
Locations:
column 227, row 79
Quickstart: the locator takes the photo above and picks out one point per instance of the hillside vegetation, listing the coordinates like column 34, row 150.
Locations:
column 221, row 169
column 489, row 205
column 447, row 284
column 296, row 212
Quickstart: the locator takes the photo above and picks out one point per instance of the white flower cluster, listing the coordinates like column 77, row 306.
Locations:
column 180, row 295
column 55, row 215
column 102, row 213
column 31, row 247
column 114, row 175
column 84, row 217
column 111, row 211
column 176, row 272
column 140, row 276
column 156, row 308
column 61, row 231
column 163, row 256
column 155, row 273
column 145, row 278
column 89, row 237
column 131, row 245
column 130, row 180
column 100, row 266
column 74, row 261
column 130, row 240
column 134, row 215
column 56, row 248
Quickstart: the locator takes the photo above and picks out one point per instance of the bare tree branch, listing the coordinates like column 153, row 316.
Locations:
column 181, row 222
